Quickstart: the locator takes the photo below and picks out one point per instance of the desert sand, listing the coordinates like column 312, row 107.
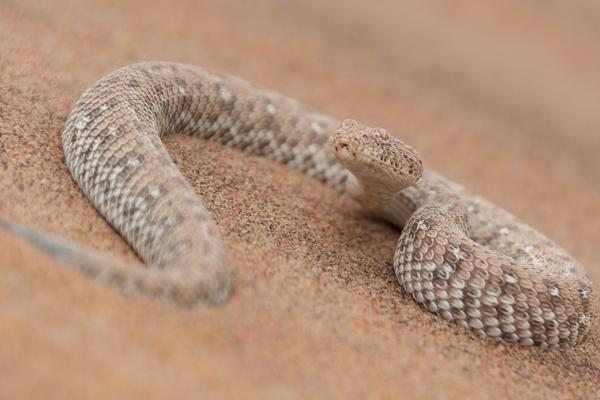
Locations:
column 501, row 97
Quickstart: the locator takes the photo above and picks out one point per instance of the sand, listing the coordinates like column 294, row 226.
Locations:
column 500, row 97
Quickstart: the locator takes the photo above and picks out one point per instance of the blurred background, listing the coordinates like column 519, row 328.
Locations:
column 502, row 97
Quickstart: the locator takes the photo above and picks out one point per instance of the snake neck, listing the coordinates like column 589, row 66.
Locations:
column 390, row 202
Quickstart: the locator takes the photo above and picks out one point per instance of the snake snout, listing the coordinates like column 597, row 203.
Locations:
column 345, row 143
column 343, row 149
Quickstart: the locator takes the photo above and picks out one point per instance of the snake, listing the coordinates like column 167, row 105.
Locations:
column 458, row 256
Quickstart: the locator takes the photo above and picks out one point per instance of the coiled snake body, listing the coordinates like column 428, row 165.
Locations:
column 458, row 256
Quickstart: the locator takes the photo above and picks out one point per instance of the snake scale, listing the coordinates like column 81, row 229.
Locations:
column 458, row 256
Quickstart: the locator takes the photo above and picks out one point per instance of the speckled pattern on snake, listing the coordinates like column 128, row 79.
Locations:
column 458, row 256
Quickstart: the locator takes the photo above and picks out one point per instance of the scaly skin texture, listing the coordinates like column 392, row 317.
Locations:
column 113, row 148
column 462, row 257
column 458, row 256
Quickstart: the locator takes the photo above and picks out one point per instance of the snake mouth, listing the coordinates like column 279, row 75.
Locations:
column 343, row 149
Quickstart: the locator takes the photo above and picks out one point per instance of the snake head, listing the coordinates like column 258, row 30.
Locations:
column 375, row 157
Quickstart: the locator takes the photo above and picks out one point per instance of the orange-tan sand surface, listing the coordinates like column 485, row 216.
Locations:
column 500, row 96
